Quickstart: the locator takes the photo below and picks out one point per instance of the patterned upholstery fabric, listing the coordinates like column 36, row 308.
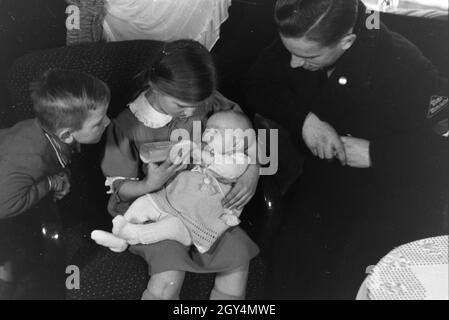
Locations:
column 115, row 63
column 104, row 274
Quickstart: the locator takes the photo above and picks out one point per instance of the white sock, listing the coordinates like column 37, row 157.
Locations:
column 168, row 228
column 109, row 240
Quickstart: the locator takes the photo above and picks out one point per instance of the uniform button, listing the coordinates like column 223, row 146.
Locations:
column 343, row 81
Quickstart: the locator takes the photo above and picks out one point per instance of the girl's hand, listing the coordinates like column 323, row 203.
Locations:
column 158, row 175
column 243, row 190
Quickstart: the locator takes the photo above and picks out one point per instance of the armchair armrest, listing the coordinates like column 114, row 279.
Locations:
column 272, row 211
column 51, row 233
column 51, row 266
column 262, row 216
column 265, row 212
column 39, row 261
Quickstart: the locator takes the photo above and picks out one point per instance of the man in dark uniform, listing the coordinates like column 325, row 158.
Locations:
column 355, row 99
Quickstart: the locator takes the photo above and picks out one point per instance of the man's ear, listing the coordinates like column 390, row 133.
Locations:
column 65, row 135
column 347, row 41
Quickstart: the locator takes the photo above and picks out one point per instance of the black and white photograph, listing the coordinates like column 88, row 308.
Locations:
column 143, row 140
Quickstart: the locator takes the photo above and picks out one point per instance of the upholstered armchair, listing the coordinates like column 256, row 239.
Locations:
column 104, row 274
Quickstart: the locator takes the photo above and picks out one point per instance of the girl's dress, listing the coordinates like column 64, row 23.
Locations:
column 121, row 162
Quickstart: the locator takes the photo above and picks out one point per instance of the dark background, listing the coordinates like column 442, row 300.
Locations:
column 30, row 25
column 26, row 26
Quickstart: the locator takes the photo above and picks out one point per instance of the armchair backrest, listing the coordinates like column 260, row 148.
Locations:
column 116, row 63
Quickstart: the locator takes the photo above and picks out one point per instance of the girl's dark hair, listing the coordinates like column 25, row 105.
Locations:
column 323, row 21
column 183, row 69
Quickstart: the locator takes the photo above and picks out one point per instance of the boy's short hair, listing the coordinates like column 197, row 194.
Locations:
column 63, row 99
column 323, row 21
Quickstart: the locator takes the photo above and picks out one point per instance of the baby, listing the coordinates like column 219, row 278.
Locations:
column 189, row 209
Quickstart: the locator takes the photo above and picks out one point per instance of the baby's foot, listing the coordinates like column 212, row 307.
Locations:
column 109, row 240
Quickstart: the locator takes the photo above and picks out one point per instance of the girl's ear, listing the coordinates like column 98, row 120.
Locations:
column 65, row 135
column 151, row 94
column 348, row 41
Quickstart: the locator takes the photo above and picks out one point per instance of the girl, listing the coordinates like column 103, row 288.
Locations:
column 179, row 88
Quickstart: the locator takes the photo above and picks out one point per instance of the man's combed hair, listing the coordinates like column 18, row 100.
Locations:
column 63, row 99
column 322, row 21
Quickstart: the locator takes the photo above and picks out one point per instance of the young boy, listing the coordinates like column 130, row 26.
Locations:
column 70, row 109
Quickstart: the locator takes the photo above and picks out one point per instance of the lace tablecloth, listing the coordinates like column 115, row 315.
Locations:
column 416, row 271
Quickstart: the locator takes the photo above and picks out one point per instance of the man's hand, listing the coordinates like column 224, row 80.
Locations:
column 243, row 190
column 59, row 184
column 322, row 139
column 357, row 152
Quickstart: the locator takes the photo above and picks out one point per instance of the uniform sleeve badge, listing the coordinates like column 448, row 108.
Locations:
column 437, row 104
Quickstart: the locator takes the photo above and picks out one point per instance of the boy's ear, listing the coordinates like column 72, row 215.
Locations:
column 348, row 41
column 65, row 135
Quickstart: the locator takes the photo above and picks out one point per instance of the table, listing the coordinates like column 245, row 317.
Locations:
column 415, row 271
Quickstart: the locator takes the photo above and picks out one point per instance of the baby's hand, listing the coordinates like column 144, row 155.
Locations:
column 230, row 218
column 196, row 153
column 207, row 157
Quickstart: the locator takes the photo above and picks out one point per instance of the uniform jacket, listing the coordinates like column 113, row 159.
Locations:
column 380, row 90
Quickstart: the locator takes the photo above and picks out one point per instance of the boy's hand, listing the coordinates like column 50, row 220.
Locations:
column 243, row 190
column 59, row 184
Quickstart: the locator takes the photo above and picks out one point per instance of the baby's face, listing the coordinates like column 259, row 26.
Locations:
column 219, row 140
column 224, row 133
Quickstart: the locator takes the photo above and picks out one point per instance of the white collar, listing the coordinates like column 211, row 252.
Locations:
column 147, row 114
